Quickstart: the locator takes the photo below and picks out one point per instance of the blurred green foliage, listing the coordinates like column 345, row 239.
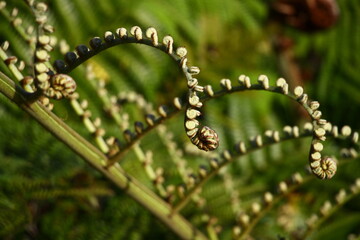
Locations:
column 46, row 192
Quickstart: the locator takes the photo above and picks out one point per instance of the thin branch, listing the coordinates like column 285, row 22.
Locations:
column 269, row 202
column 17, row 23
column 327, row 210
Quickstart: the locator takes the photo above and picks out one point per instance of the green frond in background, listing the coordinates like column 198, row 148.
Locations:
column 47, row 192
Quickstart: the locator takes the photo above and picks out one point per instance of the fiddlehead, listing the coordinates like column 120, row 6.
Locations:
column 52, row 85
column 203, row 137
column 61, row 86
column 322, row 167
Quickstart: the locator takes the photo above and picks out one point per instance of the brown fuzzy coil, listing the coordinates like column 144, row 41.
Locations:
column 62, row 86
column 326, row 168
column 206, row 139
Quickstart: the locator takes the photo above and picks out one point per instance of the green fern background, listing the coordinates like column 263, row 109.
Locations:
column 46, row 192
